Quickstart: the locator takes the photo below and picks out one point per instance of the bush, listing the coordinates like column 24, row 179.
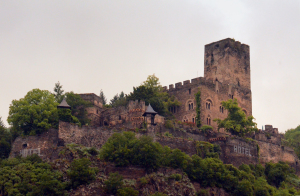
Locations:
column 158, row 194
column 244, row 188
column 113, row 183
column 202, row 192
column 127, row 191
column 80, row 172
column 176, row 177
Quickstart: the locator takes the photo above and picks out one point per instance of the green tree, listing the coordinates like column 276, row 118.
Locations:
column 152, row 93
column 30, row 176
column 80, row 172
column 78, row 107
column 5, row 141
column 118, row 100
column 58, row 92
column 292, row 139
column 103, row 98
column 236, row 122
column 34, row 113
column 113, row 183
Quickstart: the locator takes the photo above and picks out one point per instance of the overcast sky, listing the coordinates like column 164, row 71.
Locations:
column 115, row 45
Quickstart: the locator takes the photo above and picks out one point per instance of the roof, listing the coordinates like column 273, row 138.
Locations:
column 149, row 110
column 64, row 104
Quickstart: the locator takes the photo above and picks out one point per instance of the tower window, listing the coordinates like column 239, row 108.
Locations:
column 190, row 91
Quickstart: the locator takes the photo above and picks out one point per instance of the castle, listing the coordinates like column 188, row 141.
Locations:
column 226, row 76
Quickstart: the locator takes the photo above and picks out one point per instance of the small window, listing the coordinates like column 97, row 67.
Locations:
column 208, row 106
column 24, row 145
column 193, row 120
column 231, row 96
column 208, row 122
column 190, row 91
column 120, row 118
column 192, row 105
column 97, row 111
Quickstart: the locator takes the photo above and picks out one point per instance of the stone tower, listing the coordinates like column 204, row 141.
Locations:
column 228, row 61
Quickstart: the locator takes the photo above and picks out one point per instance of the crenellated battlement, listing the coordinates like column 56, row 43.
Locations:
column 185, row 84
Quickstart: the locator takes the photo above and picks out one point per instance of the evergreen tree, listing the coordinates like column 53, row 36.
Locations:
column 58, row 92
column 103, row 98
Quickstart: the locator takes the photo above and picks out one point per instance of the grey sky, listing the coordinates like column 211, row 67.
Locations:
column 115, row 45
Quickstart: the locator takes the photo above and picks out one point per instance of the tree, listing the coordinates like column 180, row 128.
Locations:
column 78, row 106
column 152, row 92
column 58, row 92
column 103, row 98
column 5, row 141
column 292, row 139
column 119, row 100
column 236, row 122
column 34, row 113
column 153, row 83
column 80, row 172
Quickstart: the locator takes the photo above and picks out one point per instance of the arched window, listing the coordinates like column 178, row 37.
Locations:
column 189, row 105
column 208, row 121
column 221, row 109
column 208, row 104
column 245, row 111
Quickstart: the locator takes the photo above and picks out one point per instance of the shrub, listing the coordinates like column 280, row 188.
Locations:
column 127, row 191
column 80, row 172
column 113, row 183
column 158, row 194
column 169, row 124
column 176, row 177
column 202, row 192
column 244, row 188
column 144, row 180
column 93, row 151
column 206, row 128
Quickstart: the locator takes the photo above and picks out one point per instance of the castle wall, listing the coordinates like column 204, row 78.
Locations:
column 211, row 93
column 43, row 144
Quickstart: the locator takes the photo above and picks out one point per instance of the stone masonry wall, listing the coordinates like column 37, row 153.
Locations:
column 212, row 93
column 46, row 143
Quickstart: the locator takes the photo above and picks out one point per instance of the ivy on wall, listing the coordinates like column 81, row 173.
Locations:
column 198, row 108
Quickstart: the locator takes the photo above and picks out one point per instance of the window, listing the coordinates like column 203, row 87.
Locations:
column 192, row 105
column 208, row 106
column 208, row 122
column 190, row 91
column 120, row 118
column 221, row 109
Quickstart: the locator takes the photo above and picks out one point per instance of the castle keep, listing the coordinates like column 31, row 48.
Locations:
column 226, row 76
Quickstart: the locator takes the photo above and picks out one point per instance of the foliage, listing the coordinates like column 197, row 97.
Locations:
column 198, row 108
column 236, row 122
column 113, row 183
column 78, row 107
column 127, row 191
column 5, row 141
column 58, row 92
column 158, row 194
column 119, row 100
column 34, row 113
column 152, row 93
column 206, row 149
column 292, row 138
column 103, row 98
column 206, row 128
column 169, row 124
column 66, row 116
column 30, row 176
column 202, row 192
column 277, row 172
column 80, row 172
column 124, row 149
